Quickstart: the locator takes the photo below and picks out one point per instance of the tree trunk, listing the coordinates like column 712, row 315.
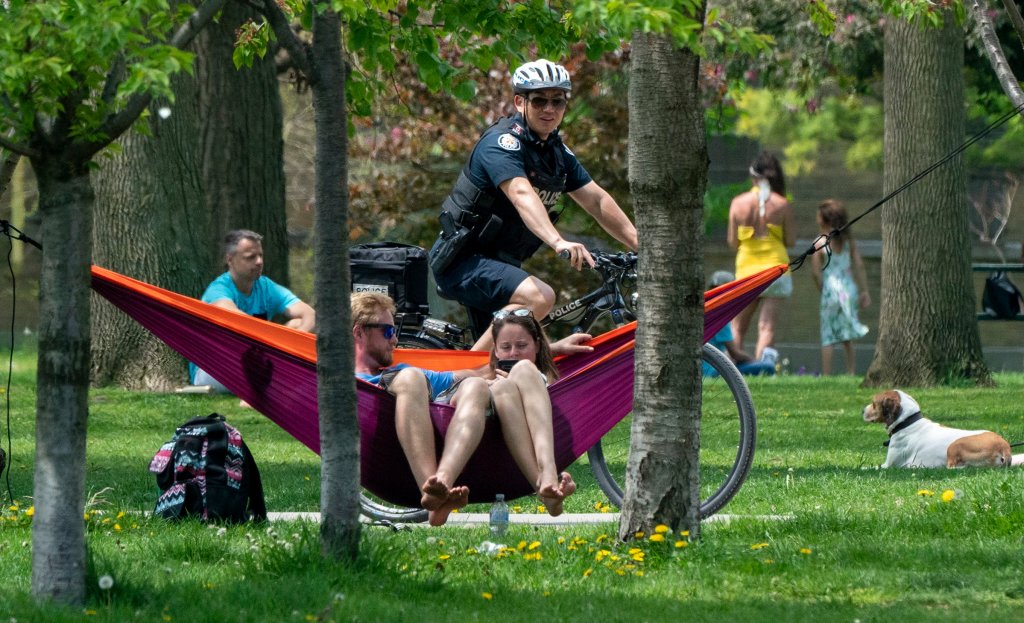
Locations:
column 668, row 164
column 927, row 329
column 151, row 224
column 215, row 164
column 58, row 533
column 241, row 125
column 339, row 424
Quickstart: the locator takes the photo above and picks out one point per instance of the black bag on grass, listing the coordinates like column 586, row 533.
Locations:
column 1000, row 298
column 206, row 471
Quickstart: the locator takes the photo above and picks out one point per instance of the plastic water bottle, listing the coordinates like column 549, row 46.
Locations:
column 499, row 515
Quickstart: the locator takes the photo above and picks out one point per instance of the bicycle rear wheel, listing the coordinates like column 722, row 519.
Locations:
column 728, row 432
column 372, row 506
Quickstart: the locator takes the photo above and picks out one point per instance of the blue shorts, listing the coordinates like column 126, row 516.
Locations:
column 480, row 282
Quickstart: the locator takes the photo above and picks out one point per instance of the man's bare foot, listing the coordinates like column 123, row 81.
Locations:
column 553, row 497
column 435, row 493
column 457, row 498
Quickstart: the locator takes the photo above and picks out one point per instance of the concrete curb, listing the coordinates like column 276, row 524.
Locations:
column 567, row 519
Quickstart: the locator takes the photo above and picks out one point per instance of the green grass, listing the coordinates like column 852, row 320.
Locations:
column 860, row 543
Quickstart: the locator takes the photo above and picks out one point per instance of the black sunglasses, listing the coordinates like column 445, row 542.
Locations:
column 387, row 329
column 540, row 103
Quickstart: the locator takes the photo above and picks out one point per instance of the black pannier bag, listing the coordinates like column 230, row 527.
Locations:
column 392, row 268
column 1000, row 298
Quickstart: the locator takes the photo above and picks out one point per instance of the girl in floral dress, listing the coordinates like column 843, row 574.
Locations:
column 843, row 286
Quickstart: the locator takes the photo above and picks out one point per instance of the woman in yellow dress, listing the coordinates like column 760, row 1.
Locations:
column 760, row 228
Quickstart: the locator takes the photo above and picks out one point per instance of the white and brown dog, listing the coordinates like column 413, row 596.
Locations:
column 916, row 441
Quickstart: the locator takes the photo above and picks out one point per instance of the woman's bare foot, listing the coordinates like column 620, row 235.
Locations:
column 457, row 498
column 553, row 497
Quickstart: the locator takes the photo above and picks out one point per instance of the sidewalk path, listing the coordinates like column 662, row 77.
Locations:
column 566, row 519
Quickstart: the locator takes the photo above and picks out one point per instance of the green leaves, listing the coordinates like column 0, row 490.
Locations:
column 58, row 57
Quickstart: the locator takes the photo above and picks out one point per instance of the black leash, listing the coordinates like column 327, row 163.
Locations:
column 825, row 240
column 13, row 233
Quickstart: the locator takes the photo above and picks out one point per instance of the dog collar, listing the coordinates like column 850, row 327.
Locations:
column 905, row 423
column 908, row 409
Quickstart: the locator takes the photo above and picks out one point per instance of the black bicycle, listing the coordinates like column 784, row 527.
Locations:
column 728, row 428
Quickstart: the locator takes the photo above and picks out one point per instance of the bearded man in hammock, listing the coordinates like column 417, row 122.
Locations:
column 375, row 337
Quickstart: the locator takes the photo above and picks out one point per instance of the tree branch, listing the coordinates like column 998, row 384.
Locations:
column 117, row 124
column 1015, row 18
column 15, row 148
column 298, row 52
column 994, row 52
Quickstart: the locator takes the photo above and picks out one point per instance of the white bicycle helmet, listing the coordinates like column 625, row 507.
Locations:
column 540, row 74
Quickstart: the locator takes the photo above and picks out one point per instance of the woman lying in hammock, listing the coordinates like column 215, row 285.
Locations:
column 522, row 402
column 522, row 364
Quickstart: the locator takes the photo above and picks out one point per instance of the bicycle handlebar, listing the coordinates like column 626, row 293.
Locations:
column 603, row 260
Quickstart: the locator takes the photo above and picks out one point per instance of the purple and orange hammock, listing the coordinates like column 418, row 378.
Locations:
column 273, row 368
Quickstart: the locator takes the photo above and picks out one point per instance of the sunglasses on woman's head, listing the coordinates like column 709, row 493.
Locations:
column 387, row 329
column 502, row 314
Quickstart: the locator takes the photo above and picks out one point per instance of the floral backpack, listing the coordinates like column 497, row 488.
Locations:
column 206, row 471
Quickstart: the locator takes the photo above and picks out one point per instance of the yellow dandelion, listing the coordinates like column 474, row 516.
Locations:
column 681, row 544
column 30, row 511
column 639, row 556
column 117, row 527
column 948, row 495
column 661, row 529
column 639, row 534
column 759, row 546
column 657, row 538
column 768, row 561
column 90, row 613
column 684, row 533
column 587, row 573
column 444, row 557
column 120, row 515
column 561, row 540
column 601, row 555
column 487, row 596
column 805, row 550
column 533, row 556
column 606, row 509
column 925, row 492
column 86, row 516
column 613, row 558
column 634, row 550
column 620, row 571
column 517, row 509
column 534, row 545
column 471, row 551
column 601, row 538
column 640, row 574
column 541, row 508
column 597, row 506
column 521, row 545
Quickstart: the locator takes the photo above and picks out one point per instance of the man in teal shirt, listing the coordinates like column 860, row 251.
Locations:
column 244, row 288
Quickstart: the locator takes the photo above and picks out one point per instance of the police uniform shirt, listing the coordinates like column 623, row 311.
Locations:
column 498, row 157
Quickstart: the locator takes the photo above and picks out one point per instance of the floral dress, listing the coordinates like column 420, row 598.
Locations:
column 839, row 322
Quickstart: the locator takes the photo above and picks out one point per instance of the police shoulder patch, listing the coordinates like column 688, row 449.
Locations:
column 508, row 142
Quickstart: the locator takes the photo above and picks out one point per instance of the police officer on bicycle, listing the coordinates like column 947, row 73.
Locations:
column 503, row 206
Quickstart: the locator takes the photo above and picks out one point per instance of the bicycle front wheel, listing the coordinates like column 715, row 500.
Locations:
column 728, row 433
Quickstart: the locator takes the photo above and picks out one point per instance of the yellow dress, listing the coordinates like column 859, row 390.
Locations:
column 756, row 254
